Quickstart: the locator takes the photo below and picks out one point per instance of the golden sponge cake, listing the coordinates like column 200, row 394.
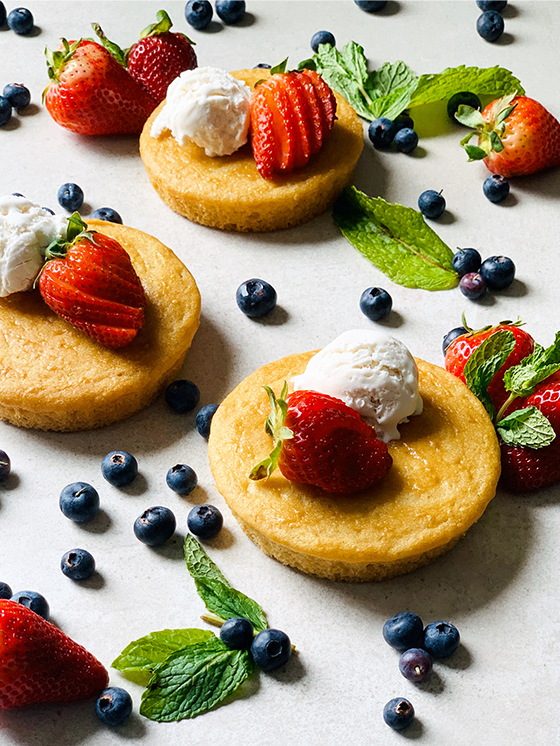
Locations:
column 445, row 471
column 227, row 192
column 53, row 377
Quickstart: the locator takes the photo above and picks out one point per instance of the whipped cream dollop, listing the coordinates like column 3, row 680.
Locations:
column 210, row 107
column 25, row 232
column 373, row 373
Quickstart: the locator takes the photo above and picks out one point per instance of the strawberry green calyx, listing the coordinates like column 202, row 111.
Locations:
column 162, row 26
column 276, row 428
column 490, row 131
column 56, row 60
column 121, row 55
column 473, row 332
column 76, row 231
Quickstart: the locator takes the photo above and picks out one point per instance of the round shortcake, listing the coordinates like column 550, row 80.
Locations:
column 227, row 192
column 53, row 377
column 445, row 471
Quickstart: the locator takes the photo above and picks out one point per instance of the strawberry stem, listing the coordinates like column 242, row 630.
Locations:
column 275, row 427
column 121, row 55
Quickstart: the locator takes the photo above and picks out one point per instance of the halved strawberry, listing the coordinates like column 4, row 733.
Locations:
column 89, row 281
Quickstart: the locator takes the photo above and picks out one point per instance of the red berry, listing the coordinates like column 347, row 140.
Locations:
column 460, row 350
column 39, row 663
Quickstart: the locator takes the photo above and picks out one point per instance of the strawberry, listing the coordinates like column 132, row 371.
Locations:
column 89, row 281
column 39, row 663
column 91, row 94
column 157, row 58
column 319, row 440
column 528, row 468
column 292, row 115
column 461, row 348
column 516, row 136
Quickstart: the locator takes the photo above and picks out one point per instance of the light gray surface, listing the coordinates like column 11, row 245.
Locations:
column 499, row 585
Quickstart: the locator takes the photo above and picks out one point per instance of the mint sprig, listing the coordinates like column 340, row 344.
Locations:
column 397, row 240
column 526, row 427
column 189, row 671
column 394, row 87
column 522, row 379
column 483, row 364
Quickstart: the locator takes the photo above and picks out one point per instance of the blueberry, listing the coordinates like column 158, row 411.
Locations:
column 113, row 706
column 5, row 111
column 381, row 132
column 119, row 468
column 403, row 631
column 198, row 13
column 237, row 633
column 5, row 466
column 271, row 649
column 2, row 14
column 230, row 11
column 205, row 521
column 155, row 526
column 472, row 285
column 402, row 121
column 406, row 140
column 466, row 260
column 375, row 303
column 79, row 501
column 20, row 20
column 415, row 665
column 5, row 590
column 182, row 396
column 70, row 197
column 108, row 214
column 496, row 188
column 465, row 98
column 441, row 639
column 431, row 204
column 17, row 194
column 263, row 65
column 48, row 209
column 451, row 336
column 181, row 479
column 498, row 272
column 398, row 713
column 490, row 25
column 17, row 94
column 371, row 6
column 77, row 564
column 256, row 298
column 498, row 5
column 204, row 419
column 322, row 37
column 34, row 601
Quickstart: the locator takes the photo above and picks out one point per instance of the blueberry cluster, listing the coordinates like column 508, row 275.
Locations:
column 20, row 20
column 399, row 132
column 70, row 197
column 270, row 648
column 418, row 647
column 198, row 13
column 477, row 276
column 33, row 600
column 490, row 24
column 14, row 96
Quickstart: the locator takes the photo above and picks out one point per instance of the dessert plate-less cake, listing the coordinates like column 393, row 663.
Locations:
column 53, row 377
column 227, row 192
column 445, row 470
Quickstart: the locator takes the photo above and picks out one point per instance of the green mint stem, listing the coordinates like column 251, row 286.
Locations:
column 213, row 619
column 365, row 95
column 504, row 407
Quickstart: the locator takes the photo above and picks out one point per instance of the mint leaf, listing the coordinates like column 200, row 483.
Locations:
column 396, row 239
column 138, row 660
column 526, row 427
column 483, row 364
column 392, row 85
column 522, row 379
column 193, row 680
column 347, row 80
column 491, row 81
column 213, row 588
column 220, row 598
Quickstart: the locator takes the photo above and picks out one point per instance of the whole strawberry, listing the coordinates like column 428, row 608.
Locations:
column 321, row 441
column 89, row 281
column 91, row 94
column 516, row 136
column 39, row 663
column 461, row 349
column 292, row 114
